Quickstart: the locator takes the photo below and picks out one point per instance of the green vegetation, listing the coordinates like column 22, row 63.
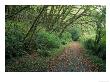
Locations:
column 14, row 36
column 36, row 34
column 75, row 33
column 46, row 42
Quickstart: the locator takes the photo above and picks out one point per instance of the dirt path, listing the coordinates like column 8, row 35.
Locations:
column 72, row 59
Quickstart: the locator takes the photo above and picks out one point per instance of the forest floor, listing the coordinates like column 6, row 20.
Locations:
column 72, row 59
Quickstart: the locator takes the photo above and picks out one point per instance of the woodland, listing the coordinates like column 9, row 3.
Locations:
column 55, row 38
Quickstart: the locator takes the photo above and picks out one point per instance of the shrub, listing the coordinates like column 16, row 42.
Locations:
column 89, row 44
column 96, row 49
column 102, row 48
column 75, row 34
column 13, row 38
column 66, row 37
column 46, row 42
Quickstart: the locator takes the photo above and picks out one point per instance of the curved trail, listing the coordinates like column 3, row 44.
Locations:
column 72, row 59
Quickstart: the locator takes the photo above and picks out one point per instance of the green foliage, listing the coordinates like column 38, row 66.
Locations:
column 66, row 37
column 14, row 35
column 41, row 26
column 89, row 44
column 46, row 42
column 75, row 34
column 96, row 49
column 102, row 48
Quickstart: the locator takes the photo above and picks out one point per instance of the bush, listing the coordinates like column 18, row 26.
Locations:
column 75, row 34
column 46, row 42
column 89, row 44
column 96, row 49
column 102, row 48
column 13, row 38
column 66, row 37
